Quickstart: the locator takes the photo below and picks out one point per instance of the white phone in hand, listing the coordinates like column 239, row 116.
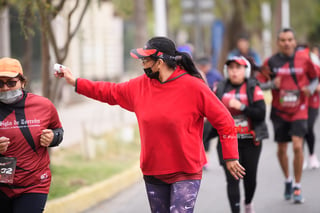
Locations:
column 57, row 67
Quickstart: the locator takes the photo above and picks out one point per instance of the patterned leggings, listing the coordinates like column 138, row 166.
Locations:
column 179, row 197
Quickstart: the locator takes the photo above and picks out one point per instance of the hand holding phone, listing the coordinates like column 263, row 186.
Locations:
column 61, row 71
column 56, row 67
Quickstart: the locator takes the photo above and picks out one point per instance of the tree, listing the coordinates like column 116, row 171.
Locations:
column 48, row 11
column 239, row 16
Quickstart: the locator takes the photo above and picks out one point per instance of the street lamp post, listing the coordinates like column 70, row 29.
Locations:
column 160, row 17
column 285, row 13
column 197, row 13
column 4, row 32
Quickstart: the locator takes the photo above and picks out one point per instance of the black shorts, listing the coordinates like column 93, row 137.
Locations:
column 284, row 130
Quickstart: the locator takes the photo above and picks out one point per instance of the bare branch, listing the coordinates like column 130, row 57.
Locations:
column 72, row 34
column 80, row 19
column 47, row 27
column 58, row 8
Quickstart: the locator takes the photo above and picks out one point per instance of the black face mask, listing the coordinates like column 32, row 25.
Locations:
column 150, row 73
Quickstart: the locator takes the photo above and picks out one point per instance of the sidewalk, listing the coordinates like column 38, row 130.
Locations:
column 93, row 117
column 92, row 195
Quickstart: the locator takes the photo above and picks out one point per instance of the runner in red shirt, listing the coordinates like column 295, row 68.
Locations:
column 313, row 111
column 28, row 125
column 244, row 99
column 170, row 101
column 292, row 77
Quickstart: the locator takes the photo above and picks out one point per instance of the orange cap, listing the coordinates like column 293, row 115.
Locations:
column 10, row 67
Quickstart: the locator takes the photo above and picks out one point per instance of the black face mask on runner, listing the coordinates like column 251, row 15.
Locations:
column 153, row 75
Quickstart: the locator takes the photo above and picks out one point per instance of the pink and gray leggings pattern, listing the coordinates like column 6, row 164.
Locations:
column 179, row 197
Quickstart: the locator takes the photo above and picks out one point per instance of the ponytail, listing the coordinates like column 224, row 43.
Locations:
column 184, row 60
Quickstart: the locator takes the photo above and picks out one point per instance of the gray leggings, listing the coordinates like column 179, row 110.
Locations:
column 179, row 197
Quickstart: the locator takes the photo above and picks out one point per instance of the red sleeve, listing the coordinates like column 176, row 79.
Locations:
column 312, row 69
column 221, row 119
column 258, row 94
column 111, row 93
column 55, row 121
column 264, row 75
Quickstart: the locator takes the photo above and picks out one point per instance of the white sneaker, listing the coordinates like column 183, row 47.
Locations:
column 313, row 162
column 305, row 165
column 248, row 208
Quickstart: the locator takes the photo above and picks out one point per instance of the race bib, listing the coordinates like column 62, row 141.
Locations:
column 243, row 127
column 7, row 169
column 289, row 98
column 242, row 124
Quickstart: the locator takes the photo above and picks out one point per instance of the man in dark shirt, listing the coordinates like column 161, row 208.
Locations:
column 243, row 49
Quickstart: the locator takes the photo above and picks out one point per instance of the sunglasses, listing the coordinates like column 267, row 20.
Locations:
column 9, row 83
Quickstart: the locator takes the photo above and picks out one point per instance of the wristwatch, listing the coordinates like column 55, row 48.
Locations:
column 242, row 107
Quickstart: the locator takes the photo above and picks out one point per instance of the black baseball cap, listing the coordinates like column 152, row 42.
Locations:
column 156, row 47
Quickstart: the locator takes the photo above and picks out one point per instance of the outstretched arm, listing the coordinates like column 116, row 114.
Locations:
column 67, row 75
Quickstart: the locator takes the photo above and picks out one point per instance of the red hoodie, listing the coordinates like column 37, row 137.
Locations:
column 170, row 116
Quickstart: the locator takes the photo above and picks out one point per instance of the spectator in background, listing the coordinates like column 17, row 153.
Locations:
column 313, row 111
column 186, row 48
column 243, row 49
column 315, row 50
column 212, row 76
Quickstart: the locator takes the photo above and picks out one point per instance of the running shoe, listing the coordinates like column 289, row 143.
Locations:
column 288, row 190
column 313, row 162
column 249, row 208
column 305, row 165
column 297, row 197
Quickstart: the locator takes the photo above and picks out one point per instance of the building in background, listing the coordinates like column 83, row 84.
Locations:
column 96, row 52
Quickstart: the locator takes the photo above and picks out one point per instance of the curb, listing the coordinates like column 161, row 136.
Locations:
column 91, row 195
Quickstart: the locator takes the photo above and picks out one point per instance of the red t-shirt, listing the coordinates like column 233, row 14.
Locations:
column 283, row 67
column 314, row 99
column 241, row 95
column 170, row 117
column 30, row 115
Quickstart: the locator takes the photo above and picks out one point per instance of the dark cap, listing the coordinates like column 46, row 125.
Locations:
column 155, row 47
column 243, row 36
column 203, row 61
column 239, row 60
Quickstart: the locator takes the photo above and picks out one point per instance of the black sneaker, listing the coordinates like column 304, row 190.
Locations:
column 288, row 190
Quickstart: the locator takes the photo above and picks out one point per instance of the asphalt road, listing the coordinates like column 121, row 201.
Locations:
column 213, row 198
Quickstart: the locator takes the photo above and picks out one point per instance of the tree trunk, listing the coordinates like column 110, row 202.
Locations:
column 140, row 22
column 45, row 59
column 234, row 27
column 27, row 48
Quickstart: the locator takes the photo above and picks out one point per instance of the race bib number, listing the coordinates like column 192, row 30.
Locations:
column 243, row 127
column 242, row 124
column 7, row 169
column 289, row 98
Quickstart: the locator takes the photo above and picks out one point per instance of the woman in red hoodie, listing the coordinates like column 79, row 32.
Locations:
column 170, row 101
